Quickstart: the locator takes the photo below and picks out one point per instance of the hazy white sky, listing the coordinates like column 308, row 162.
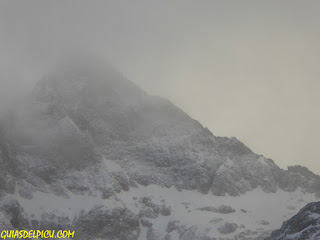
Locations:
column 248, row 69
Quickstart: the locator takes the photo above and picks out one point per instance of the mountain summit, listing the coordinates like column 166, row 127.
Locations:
column 87, row 134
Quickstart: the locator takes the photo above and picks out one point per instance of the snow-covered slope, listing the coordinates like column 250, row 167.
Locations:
column 89, row 145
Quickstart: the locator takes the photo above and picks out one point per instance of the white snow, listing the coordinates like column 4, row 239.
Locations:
column 112, row 166
column 69, row 207
column 271, row 207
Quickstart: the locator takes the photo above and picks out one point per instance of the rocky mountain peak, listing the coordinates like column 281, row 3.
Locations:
column 80, row 79
column 86, row 132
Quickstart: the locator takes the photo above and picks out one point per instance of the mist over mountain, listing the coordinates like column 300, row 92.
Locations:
column 89, row 150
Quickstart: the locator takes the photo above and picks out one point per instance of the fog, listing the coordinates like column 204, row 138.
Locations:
column 248, row 69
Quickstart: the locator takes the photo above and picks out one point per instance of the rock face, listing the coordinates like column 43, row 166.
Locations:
column 101, row 223
column 221, row 209
column 304, row 225
column 86, row 131
column 80, row 112
column 228, row 228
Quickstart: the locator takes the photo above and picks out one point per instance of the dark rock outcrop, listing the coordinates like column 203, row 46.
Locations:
column 304, row 225
column 119, row 223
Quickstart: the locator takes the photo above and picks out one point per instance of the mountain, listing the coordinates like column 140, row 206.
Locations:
column 304, row 225
column 89, row 150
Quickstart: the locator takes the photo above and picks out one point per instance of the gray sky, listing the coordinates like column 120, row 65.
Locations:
column 248, row 69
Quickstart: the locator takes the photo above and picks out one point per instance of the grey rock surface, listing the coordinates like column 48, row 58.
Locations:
column 228, row 228
column 101, row 223
column 305, row 225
